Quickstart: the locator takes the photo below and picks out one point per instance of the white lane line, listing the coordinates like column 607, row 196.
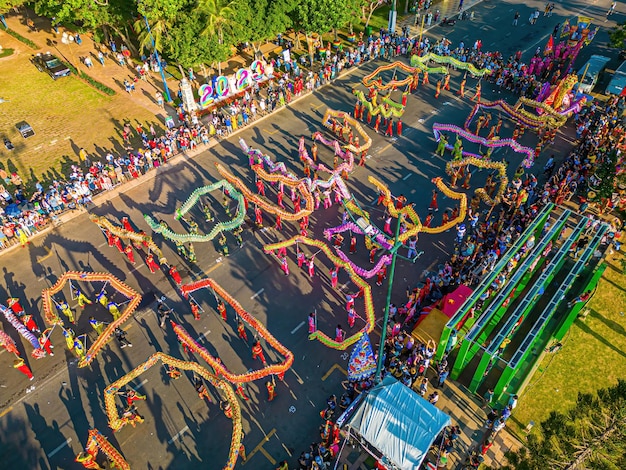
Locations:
column 202, row 336
column 407, row 177
column 300, row 381
column 178, row 434
column 142, row 383
column 59, row 448
column 300, row 325
column 137, row 268
column 257, row 293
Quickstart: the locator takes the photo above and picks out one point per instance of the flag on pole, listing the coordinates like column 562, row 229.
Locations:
column 362, row 363
column 549, row 49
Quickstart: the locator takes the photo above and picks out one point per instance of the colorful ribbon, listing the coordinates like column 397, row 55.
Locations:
column 116, row 423
column 356, row 125
column 438, row 129
column 348, row 159
column 370, row 316
column 386, row 108
column 487, row 164
column 253, row 323
column 262, row 202
column 379, row 238
column 257, row 157
column 52, row 318
column 422, row 61
column 191, row 201
column 97, row 442
column 124, row 234
column 37, row 352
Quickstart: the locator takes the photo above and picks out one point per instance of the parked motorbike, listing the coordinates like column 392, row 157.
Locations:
column 447, row 21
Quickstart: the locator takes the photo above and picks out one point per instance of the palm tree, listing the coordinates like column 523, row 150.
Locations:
column 219, row 14
column 159, row 31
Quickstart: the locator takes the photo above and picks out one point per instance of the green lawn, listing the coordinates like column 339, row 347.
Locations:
column 593, row 355
column 66, row 114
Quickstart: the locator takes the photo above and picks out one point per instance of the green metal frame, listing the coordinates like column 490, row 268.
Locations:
column 522, row 309
column 494, row 308
column 534, row 228
column 534, row 336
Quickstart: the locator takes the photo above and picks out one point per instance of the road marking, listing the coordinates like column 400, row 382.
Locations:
column 54, row 141
column 257, row 293
column 43, row 258
column 385, row 148
column 8, row 410
column 59, row 448
column 142, row 384
column 317, row 107
column 178, row 435
column 407, row 177
column 496, row 18
column 267, row 456
column 332, row 369
column 300, row 381
column 137, row 268
column 260, row 448
column 300, row 325
column 202, row 336
column 270, row 132
column 102, row 244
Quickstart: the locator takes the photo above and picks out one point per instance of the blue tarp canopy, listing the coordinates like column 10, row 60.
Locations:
column 398, row 422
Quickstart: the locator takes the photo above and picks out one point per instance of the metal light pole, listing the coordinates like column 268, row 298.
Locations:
column 158, row 58
column 392, row 18
column 383, row 333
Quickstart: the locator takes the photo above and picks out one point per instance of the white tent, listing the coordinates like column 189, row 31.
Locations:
column 398, row 422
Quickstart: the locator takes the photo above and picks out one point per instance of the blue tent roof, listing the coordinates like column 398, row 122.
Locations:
column 398, row 422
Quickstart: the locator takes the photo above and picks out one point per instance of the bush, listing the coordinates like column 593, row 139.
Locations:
column 21, row 38
column 92, row 81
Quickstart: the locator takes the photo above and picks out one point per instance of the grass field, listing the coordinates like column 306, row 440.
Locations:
column 66, row 114
column 593, row 355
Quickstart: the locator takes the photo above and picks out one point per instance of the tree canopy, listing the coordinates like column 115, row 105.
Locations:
column 617, row 36
column 591, row 435
column 198, row 32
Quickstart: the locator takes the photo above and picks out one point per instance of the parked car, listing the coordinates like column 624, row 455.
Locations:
column 618, row 81
column 590, row 72
column 8, row 144
column 25, row 129
column 49, row 63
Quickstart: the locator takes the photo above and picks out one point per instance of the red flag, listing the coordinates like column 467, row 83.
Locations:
column 549, row 49
column 623, row 93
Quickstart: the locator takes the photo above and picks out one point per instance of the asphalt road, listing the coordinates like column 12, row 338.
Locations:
column 47, row 426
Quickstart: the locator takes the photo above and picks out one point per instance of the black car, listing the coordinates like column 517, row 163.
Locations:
column 47, row 62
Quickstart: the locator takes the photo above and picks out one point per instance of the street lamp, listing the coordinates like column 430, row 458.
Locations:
column 392, row 18
column 158, row 59
column 383, row 333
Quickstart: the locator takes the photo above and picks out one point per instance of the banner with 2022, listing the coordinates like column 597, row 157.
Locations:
column 224, row 86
